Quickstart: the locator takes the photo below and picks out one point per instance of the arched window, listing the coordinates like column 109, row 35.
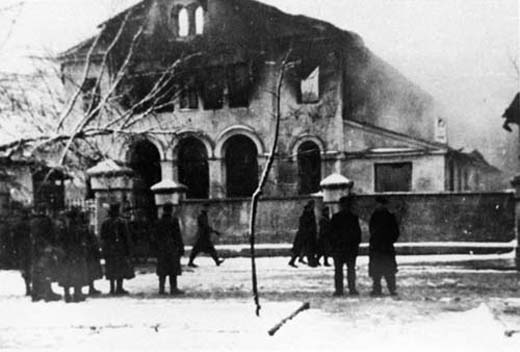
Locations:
column 193, row 168
column 184, row 23
column 241, row 166
column 199, row 20
column 146, row 163
column 309, row 168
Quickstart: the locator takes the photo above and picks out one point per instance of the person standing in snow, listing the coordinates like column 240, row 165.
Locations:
column 384, row 232
column 305, row 241
column 169, row 249
column 204, row 243
column 345, row 239
column 23, row 245
column 72, row 237
column 117, row 250
column 44, row 255
column 324, row 247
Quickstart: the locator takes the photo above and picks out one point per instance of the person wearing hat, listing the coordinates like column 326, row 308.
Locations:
column 169, row 249
column 117, row 250
column 72, row 237
column 305, row 241
column 204, row 243
column 22, row 245
column 345, row 239
column 384, row 232
column 44, row 255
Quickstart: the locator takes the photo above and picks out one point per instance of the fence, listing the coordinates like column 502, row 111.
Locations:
column 432, row 217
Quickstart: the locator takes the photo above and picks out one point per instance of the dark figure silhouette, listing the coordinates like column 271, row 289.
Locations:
column 324, row 245
column 169, row 249
column 384, row 232
column 305, row 241
column 44, row 256
column 117, row 250
column 23, row 246
column 72, row 238
column 203, row 243
column 345, row 240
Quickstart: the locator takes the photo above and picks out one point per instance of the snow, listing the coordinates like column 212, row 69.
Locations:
column 217, row 314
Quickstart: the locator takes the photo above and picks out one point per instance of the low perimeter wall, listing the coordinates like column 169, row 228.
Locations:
column 460, row 217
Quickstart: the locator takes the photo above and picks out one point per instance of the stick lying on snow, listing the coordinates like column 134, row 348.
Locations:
column 277, row 327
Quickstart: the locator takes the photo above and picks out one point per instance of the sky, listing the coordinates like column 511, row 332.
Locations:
column 460, row 51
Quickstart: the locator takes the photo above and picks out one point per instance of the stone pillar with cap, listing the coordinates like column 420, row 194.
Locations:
column 168, row 191
column 516, row 184
column 111, row 182
column 334, row 187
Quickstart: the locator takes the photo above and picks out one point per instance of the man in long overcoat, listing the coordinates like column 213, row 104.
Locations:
column 204, row 243
column 345, row 240
column 94, row 269
column 44, row 255
column 72, row 237
column 324, row 246
column 384, row 232
column 23, row 246
column 117, row 250
column 305, row 241
column 169, row 249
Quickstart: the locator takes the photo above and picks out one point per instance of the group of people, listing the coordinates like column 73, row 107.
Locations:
column 340, row 237
column 63, row 249
column 60, row 247
column 46, row 249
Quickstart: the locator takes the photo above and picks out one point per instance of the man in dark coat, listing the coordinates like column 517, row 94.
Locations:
column 23, row 246
column 6, row 240
column 384, row 232
column 169, row 249
column 117, row 250
column 44, row 255
column 204, row 243
column 94, row 270
column 324, row 247
column 345, row 240
column 72, row 237
column 305, row 241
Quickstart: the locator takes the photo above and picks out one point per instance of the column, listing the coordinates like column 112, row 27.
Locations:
column 217, row 187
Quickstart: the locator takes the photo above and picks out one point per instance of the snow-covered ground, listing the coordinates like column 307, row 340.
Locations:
column 440, row 307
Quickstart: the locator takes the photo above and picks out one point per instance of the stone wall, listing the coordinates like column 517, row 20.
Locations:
column 460, row 217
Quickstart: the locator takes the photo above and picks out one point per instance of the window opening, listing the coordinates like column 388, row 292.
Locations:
column 310, row 87
column 238, row 86
column 184, row 22
column 193, row 168
column 199, row 20
column 309, row 168
column 393, row 177
column 91, row 96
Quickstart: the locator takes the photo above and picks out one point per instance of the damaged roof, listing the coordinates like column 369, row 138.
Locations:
column 512, row 113
column 262, row 21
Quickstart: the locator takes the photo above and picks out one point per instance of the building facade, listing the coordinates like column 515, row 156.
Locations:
column 190, row 90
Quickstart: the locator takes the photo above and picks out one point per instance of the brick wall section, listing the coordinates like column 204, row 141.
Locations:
column 461, row 217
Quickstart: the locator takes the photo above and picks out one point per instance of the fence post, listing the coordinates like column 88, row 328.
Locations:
column 516, row 184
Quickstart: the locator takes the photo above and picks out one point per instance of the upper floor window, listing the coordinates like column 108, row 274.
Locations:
column 184, row 22
column 189, row 98
column 199, row 20
column 310, row 87
column 393, row 177
column 91, row 96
